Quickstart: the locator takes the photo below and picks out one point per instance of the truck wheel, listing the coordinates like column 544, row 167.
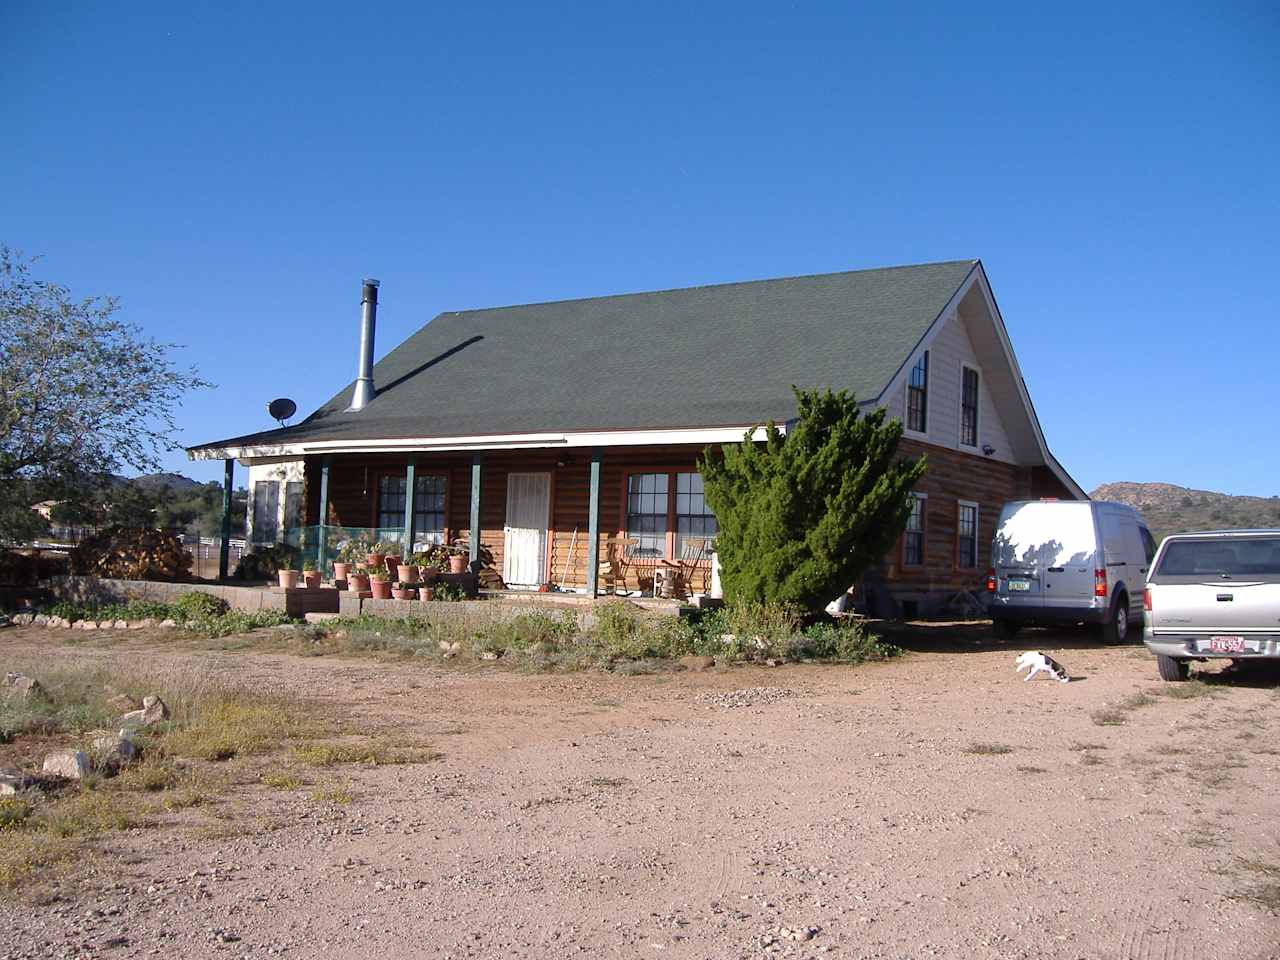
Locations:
column 1172, row 669
column 1004, row 630
column 1116, row 629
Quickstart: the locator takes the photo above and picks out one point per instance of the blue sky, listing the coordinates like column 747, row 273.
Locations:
column 231, row 171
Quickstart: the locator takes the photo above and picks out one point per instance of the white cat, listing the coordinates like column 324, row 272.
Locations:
column 1033, row 661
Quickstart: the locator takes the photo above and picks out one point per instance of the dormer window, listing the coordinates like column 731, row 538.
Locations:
column 918, row 395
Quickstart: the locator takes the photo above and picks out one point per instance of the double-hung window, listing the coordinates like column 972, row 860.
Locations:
column 428, row 506
column 967, row 536
column 428, row 510
column 918, row 395
column 667, row 515
column 391, row 502
column 968, row 406
column 913, row 536
column 647, row 514
column 694, row 521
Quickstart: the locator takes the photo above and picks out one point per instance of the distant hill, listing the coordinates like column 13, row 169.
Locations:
column 1172, row 509
column 174, row 481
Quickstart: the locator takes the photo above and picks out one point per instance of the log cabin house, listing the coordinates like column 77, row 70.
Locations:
column 551, row 437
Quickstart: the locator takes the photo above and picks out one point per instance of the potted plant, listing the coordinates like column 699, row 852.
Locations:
column 430, row 563
column 404, row 591
column 310, row 575
column 459, row 556
column 358, row 581
column 288, row 578
column 425, row 593
column 376, row 554
column 345, row 562
column 407, row 572
column 380, row 585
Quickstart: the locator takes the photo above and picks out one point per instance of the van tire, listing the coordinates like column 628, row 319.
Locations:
column 1172, row 669
column 1116, row 628
column 1004, row 630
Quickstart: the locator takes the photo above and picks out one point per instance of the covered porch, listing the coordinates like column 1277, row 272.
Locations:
column 629, row 520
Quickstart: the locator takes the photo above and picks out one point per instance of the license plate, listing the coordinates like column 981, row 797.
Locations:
column 1019, row 586
column 1228, row 645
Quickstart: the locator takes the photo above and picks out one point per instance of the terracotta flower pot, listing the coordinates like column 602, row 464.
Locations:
column 340, row 571
column 407, row 573
column 312, row 578
column 381, row 589
column 359, row 582
column 425, row 593
column 405, row 594
column 458, row 564
column 374, row 560
column 288, row 579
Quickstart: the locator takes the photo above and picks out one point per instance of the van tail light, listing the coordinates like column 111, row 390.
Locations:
column 991, row 581
column 1146, row 599
column 1100, row 582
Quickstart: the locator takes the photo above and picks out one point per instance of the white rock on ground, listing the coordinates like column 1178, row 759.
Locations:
column 153, row 711
column 169, row 623
column 113, row 749
column 72, row 764
column 11, row 781
column 18, row 685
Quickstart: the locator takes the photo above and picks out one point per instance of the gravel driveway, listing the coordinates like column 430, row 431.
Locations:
column 933, row 806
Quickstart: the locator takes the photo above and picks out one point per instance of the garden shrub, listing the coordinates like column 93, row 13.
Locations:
column 803, row 515
column 196, row 605
column 747, row 629
column 842, row 643
column 625, row 632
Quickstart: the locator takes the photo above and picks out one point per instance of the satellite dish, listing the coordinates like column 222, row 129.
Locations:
column 282, row 409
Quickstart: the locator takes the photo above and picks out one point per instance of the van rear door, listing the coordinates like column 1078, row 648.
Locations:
column 1039, row 549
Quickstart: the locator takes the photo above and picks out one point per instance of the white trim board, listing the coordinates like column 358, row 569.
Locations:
column 534, row 441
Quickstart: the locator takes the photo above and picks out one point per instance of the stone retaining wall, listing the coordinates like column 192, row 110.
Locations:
column 295, row 602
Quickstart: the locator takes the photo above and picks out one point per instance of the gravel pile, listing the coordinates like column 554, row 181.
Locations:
column 746, row 697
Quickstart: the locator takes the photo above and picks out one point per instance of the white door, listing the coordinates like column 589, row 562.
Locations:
column 524, row 551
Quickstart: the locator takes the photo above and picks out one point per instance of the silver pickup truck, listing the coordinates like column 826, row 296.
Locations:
column 1213, row 594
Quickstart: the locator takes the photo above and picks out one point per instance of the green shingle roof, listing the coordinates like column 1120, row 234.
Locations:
column 722, row 355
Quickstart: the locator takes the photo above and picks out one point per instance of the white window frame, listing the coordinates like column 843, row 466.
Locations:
column 977, row 432
column 928, row 396
column 977, row 527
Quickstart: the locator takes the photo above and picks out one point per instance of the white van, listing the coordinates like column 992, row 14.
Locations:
column 1062, row 562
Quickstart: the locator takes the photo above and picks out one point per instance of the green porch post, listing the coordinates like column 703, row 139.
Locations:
column 593, row 525
column 322, row 530
column 407, row 550
column 224, row 551
column 476, row 460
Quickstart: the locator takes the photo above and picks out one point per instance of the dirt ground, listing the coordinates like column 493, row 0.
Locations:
column 932, row 806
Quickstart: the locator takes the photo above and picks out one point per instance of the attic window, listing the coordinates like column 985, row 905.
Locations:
column 918, row 395
column 969, row 407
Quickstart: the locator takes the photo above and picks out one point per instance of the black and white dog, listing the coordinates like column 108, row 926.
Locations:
column 1033, row 661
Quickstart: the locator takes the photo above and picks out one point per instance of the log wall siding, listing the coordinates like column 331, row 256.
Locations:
column 952, row 476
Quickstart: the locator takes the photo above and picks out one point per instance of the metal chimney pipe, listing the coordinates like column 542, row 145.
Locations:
column 364, row 390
